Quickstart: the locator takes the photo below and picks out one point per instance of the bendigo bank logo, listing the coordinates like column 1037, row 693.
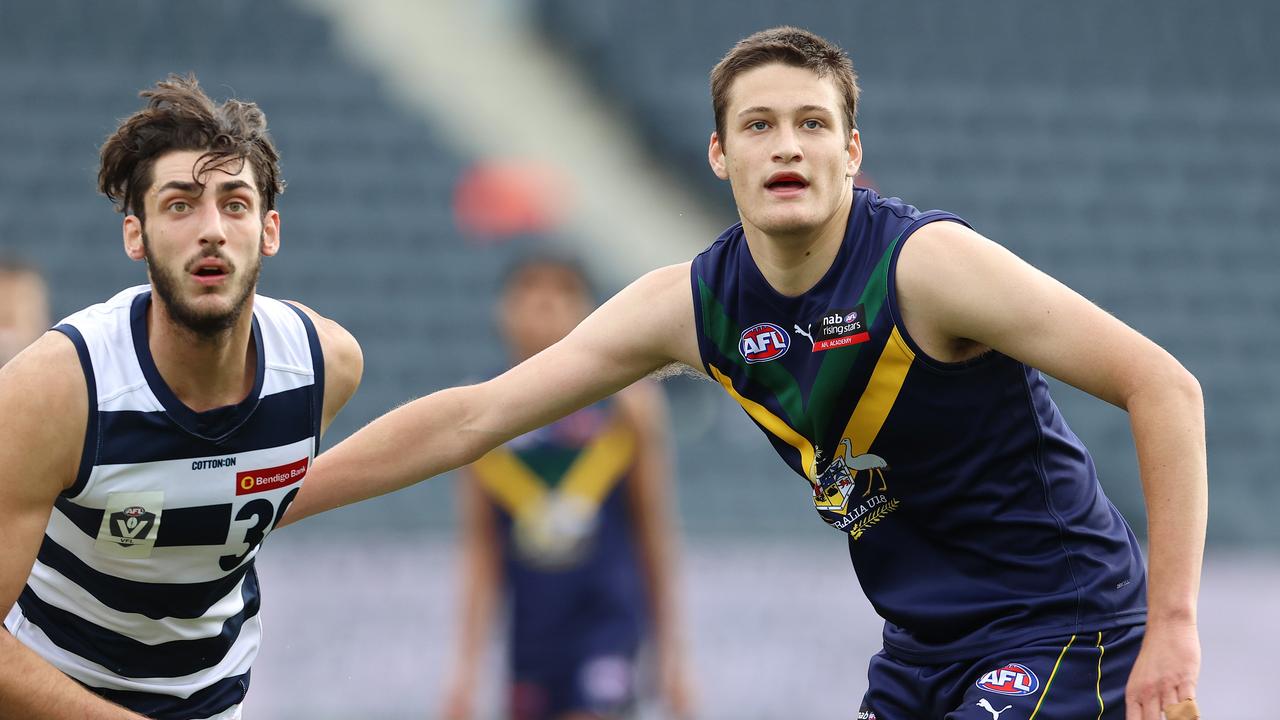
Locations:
column 763, row 342
column 1012, row 679
column 255, row 481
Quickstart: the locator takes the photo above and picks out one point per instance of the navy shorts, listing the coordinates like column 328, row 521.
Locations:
column 1077, row 677
column 602, row 685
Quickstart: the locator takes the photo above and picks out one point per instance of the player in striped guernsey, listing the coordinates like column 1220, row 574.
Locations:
column 893, row 358
column 172, row 426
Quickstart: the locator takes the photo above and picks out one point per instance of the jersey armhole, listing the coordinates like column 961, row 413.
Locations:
column 694, row 282
column 317, row 368
column 89, row 453
column 892, row 294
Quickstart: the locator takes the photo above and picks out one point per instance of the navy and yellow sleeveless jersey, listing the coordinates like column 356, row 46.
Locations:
column 974, row 515
column 144, row 588
column 569, row 554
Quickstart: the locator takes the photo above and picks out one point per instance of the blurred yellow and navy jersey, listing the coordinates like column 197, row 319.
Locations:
column 569, row 554
column 973, row 514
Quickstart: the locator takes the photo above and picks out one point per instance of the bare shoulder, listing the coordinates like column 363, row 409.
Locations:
column 343, row 361
column 957, row 289
column 44, row 410
column 940, row 249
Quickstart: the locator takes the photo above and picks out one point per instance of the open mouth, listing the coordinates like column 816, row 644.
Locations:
column 210, row 270
column 785, row 183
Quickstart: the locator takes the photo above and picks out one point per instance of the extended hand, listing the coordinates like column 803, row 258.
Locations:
column 1165, row 673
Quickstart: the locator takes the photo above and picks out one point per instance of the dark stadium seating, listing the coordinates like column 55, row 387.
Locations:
column 1127, row 148
column 368, row 231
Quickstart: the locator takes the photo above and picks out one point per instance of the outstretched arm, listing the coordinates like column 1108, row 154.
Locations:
column 645, row 327
column 43, row 413
column 958, row 291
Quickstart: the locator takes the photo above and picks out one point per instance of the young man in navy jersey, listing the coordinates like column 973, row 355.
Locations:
column 149, row 443
column 893, row 358
column 570, row 525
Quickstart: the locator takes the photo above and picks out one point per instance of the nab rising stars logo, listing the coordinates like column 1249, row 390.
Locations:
column 763, row 342
column 1012, row 679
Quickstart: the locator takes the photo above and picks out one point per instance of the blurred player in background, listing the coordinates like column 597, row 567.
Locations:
column 148, row 444
column 893, row 359
column 571, row 524
column 24, row 308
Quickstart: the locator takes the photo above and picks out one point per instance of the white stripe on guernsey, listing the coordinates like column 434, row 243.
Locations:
column 51, row 587
column 184, row 487
column 121, row 385
column 279, row 378
column 283, row 333
column 237, row 661
column 137, row 397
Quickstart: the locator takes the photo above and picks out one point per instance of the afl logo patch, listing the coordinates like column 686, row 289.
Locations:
column 1012, row 679
column 763, row 342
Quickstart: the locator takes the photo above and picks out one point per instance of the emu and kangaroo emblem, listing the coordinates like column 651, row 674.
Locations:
column 840, row 479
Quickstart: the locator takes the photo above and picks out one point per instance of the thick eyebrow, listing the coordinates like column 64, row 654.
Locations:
column 232, row 185
column 187, row 187
column 192, row 188
column 801, row 109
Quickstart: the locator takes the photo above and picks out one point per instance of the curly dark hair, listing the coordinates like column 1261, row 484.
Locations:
column 180, row 116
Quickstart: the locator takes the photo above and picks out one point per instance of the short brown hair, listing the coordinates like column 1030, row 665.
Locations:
column 789, row 46
column 180, row 116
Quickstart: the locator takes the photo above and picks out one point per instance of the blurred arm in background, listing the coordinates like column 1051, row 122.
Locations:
column 24, row 308
column 649, row 487
column 477, row 596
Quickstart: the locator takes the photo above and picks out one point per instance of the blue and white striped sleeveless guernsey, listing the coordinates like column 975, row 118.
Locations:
column 144, row 588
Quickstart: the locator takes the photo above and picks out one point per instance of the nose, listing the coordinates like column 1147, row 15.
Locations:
column 212, row 231
column 787, row 148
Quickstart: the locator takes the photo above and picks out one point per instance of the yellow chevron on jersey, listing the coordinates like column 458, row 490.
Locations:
column 519, row 490
column 601, row 465
column 772, row 423
column 510, row 482
column 882, row 390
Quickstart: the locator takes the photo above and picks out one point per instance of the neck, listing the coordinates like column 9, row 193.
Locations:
column 793, row 263
column 204, row 372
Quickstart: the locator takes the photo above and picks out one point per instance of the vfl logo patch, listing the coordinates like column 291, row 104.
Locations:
column 1012, row 679
column 763, row 342
column 256, row 481
column 130, row 524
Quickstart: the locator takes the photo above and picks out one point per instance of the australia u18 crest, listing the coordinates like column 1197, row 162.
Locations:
column 835, row 495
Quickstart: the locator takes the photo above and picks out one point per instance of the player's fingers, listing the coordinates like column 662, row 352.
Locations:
column 1137, row 710
column 1149, row 703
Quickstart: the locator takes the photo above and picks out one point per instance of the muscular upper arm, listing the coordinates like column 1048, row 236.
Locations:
column 44, row 409
column 645, row 327
column 343, row 363
column 955, row 286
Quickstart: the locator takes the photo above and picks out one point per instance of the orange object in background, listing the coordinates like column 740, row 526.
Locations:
column 499, row 199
